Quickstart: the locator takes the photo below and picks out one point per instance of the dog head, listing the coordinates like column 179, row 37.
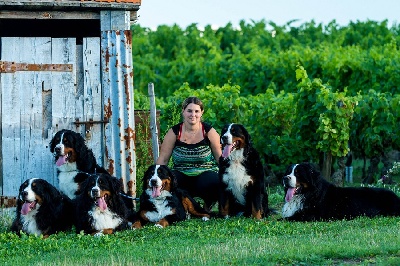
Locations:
column 66, row 146
column 69, row 147
column 35, row 192
column 158, row 180
column 234, row 137
column 102, row 188
column 298, row 179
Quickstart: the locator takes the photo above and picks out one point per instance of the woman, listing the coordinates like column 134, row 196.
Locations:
column 195, row 149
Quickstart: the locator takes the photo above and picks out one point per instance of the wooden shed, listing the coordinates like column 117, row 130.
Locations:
column 65, row 64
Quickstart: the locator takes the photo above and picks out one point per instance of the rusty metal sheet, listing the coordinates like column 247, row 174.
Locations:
column 11, row 67
column 117, row 1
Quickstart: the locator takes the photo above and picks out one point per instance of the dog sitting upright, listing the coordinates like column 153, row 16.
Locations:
column 74, row 161
column 242, row 176
column 100, row 208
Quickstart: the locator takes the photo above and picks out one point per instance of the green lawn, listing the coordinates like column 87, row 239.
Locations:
column 234, row 241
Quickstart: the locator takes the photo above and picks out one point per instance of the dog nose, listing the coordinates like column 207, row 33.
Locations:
column 224, row 138
column 57, row 149
column 153, row 182
column 95, row 192
column 24, row 194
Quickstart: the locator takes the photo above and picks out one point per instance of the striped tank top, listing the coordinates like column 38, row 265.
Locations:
column 193, row 159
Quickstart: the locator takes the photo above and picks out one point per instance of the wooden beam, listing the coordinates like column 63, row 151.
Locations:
column 128, row 5
column 49, row 15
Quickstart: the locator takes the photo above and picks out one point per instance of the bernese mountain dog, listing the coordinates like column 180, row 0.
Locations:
column 74, row 161
column 42, row 209
column 162, row 203
column 241, row 173
column 100, row 208
column 309, row 197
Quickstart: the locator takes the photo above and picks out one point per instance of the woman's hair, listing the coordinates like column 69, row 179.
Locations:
column 193, row 100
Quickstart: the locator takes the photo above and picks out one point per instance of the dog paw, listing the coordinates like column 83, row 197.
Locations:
column 205, row 219
column 98, row 234
column 158, row 225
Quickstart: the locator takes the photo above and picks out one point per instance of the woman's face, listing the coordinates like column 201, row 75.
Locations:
column 192, row 114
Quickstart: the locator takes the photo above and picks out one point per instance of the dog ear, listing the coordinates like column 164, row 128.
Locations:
column 84, row 186
column 49, row 192
column 312, row 173
column 115, row 184
column 174, row 180
column 80, row 144
column 247, row 137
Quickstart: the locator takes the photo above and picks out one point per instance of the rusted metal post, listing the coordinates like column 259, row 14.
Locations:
column 117, row 83
column 153, row 121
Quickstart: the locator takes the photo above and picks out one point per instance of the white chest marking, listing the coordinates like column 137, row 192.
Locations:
column 161, row 206
column 104, row 219
column 67, row 184
column 294, row 205
column 236, row 177
column 28, row 221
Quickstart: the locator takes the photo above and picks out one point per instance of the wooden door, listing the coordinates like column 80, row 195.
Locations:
column 46, row 84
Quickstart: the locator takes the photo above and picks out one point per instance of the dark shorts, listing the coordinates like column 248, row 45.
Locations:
column 204, row 186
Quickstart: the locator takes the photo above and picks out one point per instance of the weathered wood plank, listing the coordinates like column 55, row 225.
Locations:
column 25, row 125
column 10, row 137
column 93, row 95
column 114, row 20
column 63, row 84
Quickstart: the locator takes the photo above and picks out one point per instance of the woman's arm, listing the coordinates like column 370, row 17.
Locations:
column 167, row 146
column 215, row 143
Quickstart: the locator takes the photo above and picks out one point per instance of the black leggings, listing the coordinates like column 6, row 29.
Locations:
column 204, row 186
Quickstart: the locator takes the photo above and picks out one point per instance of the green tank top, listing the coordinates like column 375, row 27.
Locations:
column 193, row 159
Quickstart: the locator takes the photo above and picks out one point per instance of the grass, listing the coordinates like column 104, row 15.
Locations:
column 235, row 241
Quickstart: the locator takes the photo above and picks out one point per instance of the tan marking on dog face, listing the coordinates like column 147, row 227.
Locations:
column 239, row 142
column 73, row 156
column 166, row 184
column 105, row 193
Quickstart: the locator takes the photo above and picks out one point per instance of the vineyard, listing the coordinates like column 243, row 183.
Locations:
column 306, row 93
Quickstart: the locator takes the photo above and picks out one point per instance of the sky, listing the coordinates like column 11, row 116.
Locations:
column 219, row 13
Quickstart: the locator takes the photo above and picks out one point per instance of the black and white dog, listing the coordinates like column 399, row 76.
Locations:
column 74, row 161
column 42, row 209
column 162, row 203
column 100, row 208
column 309, row 197
column 241, row 174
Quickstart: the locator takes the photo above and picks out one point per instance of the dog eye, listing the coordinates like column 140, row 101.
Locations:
column 33, row 184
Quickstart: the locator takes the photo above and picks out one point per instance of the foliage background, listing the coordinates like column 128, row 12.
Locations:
column 304, row 92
